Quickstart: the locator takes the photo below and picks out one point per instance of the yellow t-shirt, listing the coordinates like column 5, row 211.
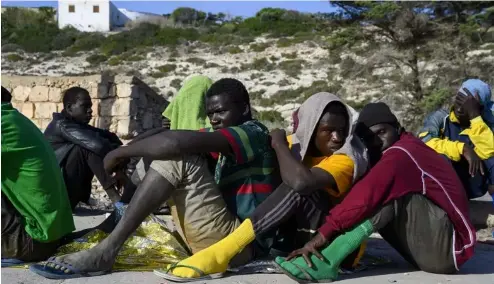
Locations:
column 339, row 166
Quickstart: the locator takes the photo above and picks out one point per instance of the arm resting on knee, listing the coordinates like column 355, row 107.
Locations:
column 170, row 144
column 302, row 179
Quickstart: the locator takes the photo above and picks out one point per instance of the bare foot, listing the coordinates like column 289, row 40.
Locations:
column 99, row 258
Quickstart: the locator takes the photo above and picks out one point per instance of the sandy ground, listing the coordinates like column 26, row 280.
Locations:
column 480, row 269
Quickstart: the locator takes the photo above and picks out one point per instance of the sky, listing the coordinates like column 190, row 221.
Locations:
column 234, row 8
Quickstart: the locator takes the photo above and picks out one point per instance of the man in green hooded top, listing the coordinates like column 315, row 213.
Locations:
column 36, row 212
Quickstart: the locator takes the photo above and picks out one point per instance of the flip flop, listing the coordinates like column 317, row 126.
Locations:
column 9, row 262
column 170, row 277
column 307, row 278
column 53, row 269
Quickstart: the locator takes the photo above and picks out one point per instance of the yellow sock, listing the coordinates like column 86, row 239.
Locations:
column 215, row 259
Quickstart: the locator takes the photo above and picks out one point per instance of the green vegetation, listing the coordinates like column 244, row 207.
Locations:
column 397, row 34
column 167, row 68
column 259, row 64
column 291, row 67
column 96, row 59
column 211, row 65
column 14, row 57
column 234, row 50
column 258, row 47
column 38, row 32
column 292, row 55
column 196, row 61
column 272, row 116
column 176, row 83
column 298, row 95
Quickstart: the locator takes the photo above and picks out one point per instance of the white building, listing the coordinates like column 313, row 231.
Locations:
column 96, row 15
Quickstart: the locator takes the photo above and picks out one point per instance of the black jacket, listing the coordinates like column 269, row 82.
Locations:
column 63, row 133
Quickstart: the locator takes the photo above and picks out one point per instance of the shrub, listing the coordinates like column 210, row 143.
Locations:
column 358, row 105
column 96, row 59
column 211, row 65
column 176, row 83
column 284, row 42
column 196, row 60
column 115, row 60
column 291, row 67
column 259, row 64
column 135, row 58
column 14, row 57
column 258, row 47
column 273, row 58
column 283, row 82
column 10, row 47
column 292, row 55
column 167, row 68
column 435, row 99
column 255, row 96
column 272, row 116
column 157, row 74
column 87, row 41
column 298, row 95
column 255, row 76
column 234, row 50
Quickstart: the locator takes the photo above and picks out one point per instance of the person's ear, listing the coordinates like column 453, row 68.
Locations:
column 246, row 110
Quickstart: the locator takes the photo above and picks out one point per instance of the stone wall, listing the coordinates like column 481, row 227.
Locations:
column 122, row 104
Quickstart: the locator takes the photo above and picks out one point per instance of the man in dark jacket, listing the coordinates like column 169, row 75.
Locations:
column 80, row 147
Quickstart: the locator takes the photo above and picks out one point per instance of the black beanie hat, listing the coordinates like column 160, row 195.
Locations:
column 377, row 113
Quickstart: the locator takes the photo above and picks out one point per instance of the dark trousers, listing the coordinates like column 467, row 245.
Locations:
column 78, row 171
column 477, row 185
column 298, row 217
column 16, row 242
column 420, row 231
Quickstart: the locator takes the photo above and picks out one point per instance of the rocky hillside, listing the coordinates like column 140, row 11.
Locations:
column 406, row 54
column 279, row 78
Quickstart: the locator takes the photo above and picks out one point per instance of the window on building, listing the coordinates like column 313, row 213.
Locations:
column 71, row 9
column 96, row 9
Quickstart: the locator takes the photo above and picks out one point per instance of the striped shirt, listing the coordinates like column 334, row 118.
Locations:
column 249, row 174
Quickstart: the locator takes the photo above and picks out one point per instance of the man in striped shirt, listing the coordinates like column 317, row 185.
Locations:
column 214, row 179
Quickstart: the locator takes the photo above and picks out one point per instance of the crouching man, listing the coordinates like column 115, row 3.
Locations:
column 36, row 212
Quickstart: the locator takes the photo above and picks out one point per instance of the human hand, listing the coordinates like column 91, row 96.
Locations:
column 166, row 123
column 113, row 161
column 278, row 137
column 311, row 247
column 474, row 162
column 469, row 104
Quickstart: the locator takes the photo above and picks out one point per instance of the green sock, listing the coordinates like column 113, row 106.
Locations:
column 334, row 255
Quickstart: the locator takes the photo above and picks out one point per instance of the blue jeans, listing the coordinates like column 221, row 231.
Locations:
column 477, row 185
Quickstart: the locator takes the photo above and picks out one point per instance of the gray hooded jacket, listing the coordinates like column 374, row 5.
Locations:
column 309, row 114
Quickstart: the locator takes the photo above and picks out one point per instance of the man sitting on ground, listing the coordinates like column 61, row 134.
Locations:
column 211, row 202
column 412, row 197
column 318, row 165
column 464, row 134
column 80, row 147
column 36, row 211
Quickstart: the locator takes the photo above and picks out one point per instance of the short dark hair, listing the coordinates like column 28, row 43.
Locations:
column 229, row 86
column 71, row 95
column 6, row 96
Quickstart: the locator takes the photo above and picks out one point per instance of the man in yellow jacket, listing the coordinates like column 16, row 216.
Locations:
column 464, row 135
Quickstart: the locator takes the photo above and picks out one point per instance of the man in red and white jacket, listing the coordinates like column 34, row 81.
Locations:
column 412, row 197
